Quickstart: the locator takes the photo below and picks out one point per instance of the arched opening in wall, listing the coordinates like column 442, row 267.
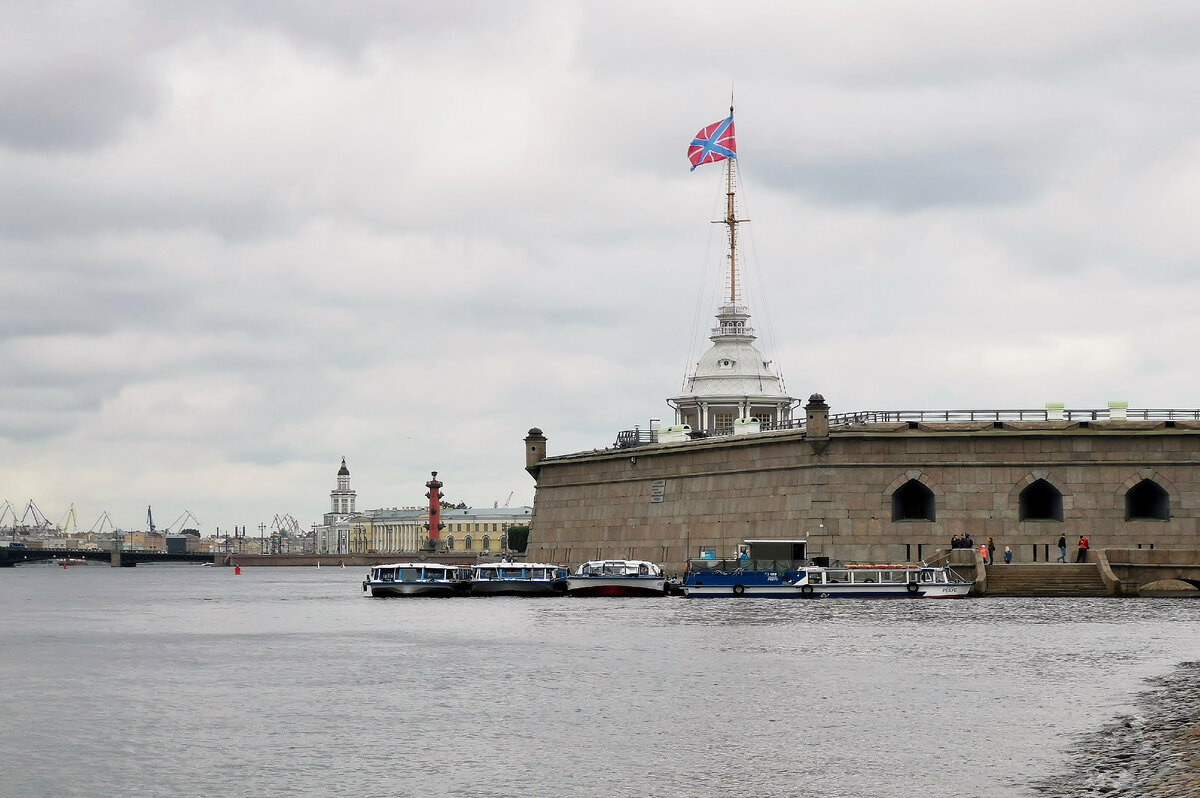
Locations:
column 450, row 543
column 468, row 542
column 1041, row 501
column 913, row 501
column 1148, row 501
column 487, row 542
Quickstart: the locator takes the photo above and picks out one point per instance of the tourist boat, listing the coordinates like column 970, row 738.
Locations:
column 882, row 581
column 69, row 561
column 417, row 579
column 781, row 569
column 517, row 579
column 617, row 578
column 758, row 569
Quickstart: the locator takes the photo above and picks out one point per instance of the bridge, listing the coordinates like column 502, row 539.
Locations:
column 15, row 555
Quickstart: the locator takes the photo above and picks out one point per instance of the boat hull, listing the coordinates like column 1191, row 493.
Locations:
column 884, row 583
column 899, row 591
column 616, row 586
column 742, row 591
column 516, row 587
column 415, row 589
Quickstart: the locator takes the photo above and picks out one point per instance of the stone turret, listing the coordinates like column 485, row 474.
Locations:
column 535, row 450
column 816, row 418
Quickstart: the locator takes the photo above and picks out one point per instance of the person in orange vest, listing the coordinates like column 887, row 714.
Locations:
column 1083, row 549
column 983, row 551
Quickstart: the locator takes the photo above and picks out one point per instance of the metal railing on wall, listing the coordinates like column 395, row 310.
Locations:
column 627, row 439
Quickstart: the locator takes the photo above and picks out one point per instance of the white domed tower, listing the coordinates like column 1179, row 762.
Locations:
column 341, row 498
column 733, row 383
column 733, row 380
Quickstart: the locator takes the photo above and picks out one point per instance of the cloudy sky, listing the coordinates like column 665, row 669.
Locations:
column 240, row 240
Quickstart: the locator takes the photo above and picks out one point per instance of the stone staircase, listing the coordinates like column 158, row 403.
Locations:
column 1046, row 579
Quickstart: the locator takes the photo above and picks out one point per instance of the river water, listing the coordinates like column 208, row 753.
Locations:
column 190, row 681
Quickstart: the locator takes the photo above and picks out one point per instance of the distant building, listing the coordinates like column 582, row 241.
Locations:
column 406, row 529
column 483, row 531
column 333, row 535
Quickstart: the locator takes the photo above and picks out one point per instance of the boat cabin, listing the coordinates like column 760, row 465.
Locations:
column 778, row 556
column 514, row 570
column 618, row 568
column 418, row 572
column 878, row 574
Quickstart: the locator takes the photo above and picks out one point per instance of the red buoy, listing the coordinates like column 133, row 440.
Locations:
column 237, row 570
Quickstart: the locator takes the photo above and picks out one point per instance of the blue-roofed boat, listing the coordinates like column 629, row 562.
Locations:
column 517, row 579
column 417, row 579
column 781, row 569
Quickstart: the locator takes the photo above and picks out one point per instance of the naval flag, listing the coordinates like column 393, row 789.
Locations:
column 713, row 143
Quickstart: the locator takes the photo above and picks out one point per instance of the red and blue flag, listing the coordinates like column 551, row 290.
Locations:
column 713, row 143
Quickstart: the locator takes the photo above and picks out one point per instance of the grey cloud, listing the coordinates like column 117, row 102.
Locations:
column 66, row 107
column 915, row 181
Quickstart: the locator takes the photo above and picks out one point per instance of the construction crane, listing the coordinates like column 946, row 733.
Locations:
column 181, row 520
column 284, row 526
column 149, row 518
column 98, row 527
column 7, row 511
column 40, row 522
column 69, row 525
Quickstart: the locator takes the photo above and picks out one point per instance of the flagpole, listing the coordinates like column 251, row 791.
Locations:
column 731, row 220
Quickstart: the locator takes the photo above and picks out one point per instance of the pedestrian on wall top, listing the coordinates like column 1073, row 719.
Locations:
column 1062, row 547
column 1083, row 549
column 991, row 551
column 983, row 551
column 1007, row 555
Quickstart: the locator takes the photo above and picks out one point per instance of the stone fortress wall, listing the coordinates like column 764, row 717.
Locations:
column 837, row 487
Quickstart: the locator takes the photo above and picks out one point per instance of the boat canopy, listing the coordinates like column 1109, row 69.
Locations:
column 618, row 568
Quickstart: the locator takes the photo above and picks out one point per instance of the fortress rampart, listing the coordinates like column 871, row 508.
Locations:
column 887, row 491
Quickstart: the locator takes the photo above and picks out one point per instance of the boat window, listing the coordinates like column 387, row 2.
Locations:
column 410, row 574
column 837, row 576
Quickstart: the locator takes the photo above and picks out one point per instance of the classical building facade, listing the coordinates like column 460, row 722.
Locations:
column 880, row 486
column 485, row 531
column 405, row 530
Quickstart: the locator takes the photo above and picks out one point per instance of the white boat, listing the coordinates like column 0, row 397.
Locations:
column 882, row 581
column 517, row 579
column 617, row 578
column 417, row 579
